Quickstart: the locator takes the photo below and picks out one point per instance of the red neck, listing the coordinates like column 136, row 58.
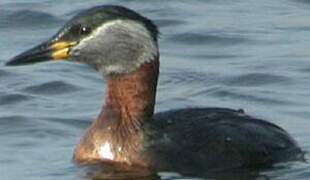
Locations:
column 131, row 97
column 130, row 101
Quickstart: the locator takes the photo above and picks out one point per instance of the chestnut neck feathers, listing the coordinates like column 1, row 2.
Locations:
column 131, row 97
column 117, row 135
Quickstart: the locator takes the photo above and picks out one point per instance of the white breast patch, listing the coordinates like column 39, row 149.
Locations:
column 105, row 151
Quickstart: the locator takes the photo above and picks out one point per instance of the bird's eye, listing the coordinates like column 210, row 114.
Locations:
column 85, row 30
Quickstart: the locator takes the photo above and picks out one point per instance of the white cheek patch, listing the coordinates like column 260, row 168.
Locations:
column 139, row 36
column 105, row 151
column 111, row 68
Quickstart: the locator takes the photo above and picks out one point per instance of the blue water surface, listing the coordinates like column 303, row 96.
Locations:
column 245, row 54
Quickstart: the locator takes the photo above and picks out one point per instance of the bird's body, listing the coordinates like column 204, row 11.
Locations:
column 215, row 139
column 122, row 45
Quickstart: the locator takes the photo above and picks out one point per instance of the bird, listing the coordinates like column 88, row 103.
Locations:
column 122, row 45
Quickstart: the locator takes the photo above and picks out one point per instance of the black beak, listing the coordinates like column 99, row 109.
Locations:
column 43, row 52
column 37, row 54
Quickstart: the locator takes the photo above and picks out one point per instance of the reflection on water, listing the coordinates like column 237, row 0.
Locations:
column 97, row 172
column 236, row 54
column 100, row 173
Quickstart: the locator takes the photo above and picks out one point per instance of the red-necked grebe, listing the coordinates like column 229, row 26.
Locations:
column 122, row 45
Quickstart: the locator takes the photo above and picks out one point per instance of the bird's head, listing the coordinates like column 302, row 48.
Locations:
column 113, row 39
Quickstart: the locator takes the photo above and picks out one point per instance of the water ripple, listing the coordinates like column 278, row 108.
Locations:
column 306, row 2
column 12, row 124
column 4, row 73
column 168, row 22
column 184, row 77
column 247, row 97
column 53, row 87
column 256, row 79
column 295, row 28
column 77, row 122
column 28, row 18
column 13, row 99
column 198, row 39
column 215, row 56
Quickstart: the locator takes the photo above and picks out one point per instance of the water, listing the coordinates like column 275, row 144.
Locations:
column 239, row 54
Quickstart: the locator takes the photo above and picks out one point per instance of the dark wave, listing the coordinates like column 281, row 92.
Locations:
column 247, row 97
column 306, row 2
column 168, row 22
column 30, row 126
column 80, row 123
column 295, row 28
column 306, row 70
column 256, row 79
column 13, row 99
column 213, row 56
column 28, row 19
column 198, row 39
column 4, row 73
column 51, row 88
column 12, row 124
column 176, row 78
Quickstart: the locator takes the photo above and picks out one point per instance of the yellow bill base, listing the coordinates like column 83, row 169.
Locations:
column 61, row 49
